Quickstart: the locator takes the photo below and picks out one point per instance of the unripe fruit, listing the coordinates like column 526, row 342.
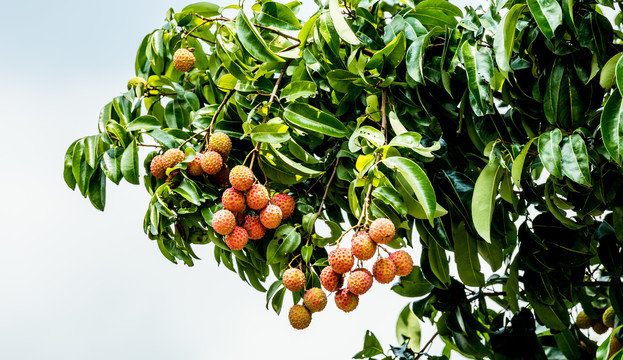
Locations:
column 384, row 270
column 257, row 197
column 221, row 143
column 221, row 179
column 241, row 178
column 403, row 262
column 329, row 279
column 223, row 222
column 194, row 167
column 362, row 246
column 608, row 317
column 183, row 60
column 600, row 328
column 614, row 346
column 293, row 279
column 583, row 321
column 299, row 317
column 211, row 162
column 254, row 227
column 233, row 200
column 237, row 239
column 315, row 299
column 157, row 167
column 341, row 260
column 136, row 81
column 173, row 157
column 285, row 202
column 360, row 281
column 382, row 230
column 346, row 300
column 271, row 216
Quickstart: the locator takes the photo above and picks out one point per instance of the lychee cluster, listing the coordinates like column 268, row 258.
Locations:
column 599, row 326
column 314, row 300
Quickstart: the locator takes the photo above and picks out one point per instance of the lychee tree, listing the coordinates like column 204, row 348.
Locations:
column 384, row 141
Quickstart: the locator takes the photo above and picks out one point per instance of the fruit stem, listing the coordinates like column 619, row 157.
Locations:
column 324, row 197
column 216, row 114
column 430, row 341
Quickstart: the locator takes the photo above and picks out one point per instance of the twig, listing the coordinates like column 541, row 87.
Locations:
column 148, row 145
column 324, row 197
column 364, row 208
column 273, row 94
column 419, row 355
column 278, row 33
column 216, row 114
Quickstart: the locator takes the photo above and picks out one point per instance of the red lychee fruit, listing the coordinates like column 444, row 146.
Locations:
column 237, row 239
column 233, row 200
column 221, row 179
column 172, row 157
column 183, row 60
column 403, row 262
column 299, row 317
column 293, row 279
column 285, row 202
column 382, row 230
column 329, row 279
column 194, row 167
column 223, row 222
column 360, row 281
column 158, row 170
column 345, row 300
column 241, row 178
column 315, row 299
column 384, row 270
column 257, row 197
column 221, row 143
column 271, row 216
column 254, row 227
column 341, row 260
column 362, row 246
column 211, row 162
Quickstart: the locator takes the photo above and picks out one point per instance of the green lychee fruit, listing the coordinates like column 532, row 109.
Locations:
column 211, row 162
column 345, row 300
column 403, row 262
column 241, row 178
column 360, row 281
column 293, row 279
column 237, row 239
column 254, row 227
column 300, row 317
column 135, row 82
column 329, row 279
column 608, row 317
column 221, row 143
column 172, row 157
column 183, row 60
column 384, row 270
column 270, row 216
column 233, row 200
column 285, row 202
column 315, row 299
column 257, row 197
column 223, row 222
column 362, row 246
column 341, row 260
column 158, row 170
column 194, row 167
column 583, row 321
column 614, row 346
column 382, row 230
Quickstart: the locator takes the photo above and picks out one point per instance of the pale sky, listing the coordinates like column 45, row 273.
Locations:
column 81, row 284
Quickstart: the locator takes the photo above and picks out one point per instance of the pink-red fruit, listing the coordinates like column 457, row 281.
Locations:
column 384, row 270
column 362, row 246
column 360, row 281
column 158, row 170
column 183, row 60
column 237, row 239
column 223, row 222
column 341, row 260
column 299, row 316
column 257, row 197
column 382, row 230
column 220, row 142
column 315, row 299
column 172, row 157
column 241, row 178
column 233, row 200
column 194, row 167
column 293, row 279
column 345, row 300
column 403, row 262
column 254, row 227
column 329, row 279
column 285, row 202
column 270, row 216
column 211, row 162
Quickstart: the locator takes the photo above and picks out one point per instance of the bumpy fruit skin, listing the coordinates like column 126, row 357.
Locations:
column 237, row 239
column 293, row 279
column 221, row 143
column 172, row 157
column 221, row 178
column 345, row 300
column 157, row 167
column 136, row 81
column 329, row 279
column 360, row 281
column 315, row 299
column 362, row 246
column 600, row 328
column 384, row 270
column 403, row 262
column 583, row 321
column 183, row 60
column 241, row 178
column 254, row 227
column 194, row 167
column 270, row 216
column 223, row 222
column 211, row 162
column 382, row 230
column 300, row 317
column 285, row 202
column 341, row 260
column 615, row 345
column 257, row 197
column 608, row 317
column 233, row 200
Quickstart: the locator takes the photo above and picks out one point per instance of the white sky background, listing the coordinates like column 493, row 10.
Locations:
column 77, row 283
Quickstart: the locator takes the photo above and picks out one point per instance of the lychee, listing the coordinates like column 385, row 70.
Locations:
column 237, row 239
column 241, row 178
column 384, row 270
column 345, row 300
column 614, row 346
column 341, row 260
column 329, row 279
column 136, row 81
column 271, row 216
column 194, row 167
column 211, row 162
column 293, row 279
column 608, row 317
column 254, row 227
column 599, row 328
column 233, row 200
column 360, row 281
column 157, row 167
column 299, row 317
column 183, row 60
column 221, row 143
column 223, row 222
column 257, row 197
column 583, row 321
column 362, row 246
column 382, row 230
column 315, row 299
column 285, row 202
column 221, row 179
column 172, row 157
column 403, row 262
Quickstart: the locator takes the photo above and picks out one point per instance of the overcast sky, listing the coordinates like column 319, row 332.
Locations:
column 81, row 284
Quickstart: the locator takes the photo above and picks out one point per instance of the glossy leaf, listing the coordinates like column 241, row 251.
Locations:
column 81, row 169
column 408, row 328
column 309, row 118
column 550, row 152
column 129, row 163
column 252, row 41
column 437, row 13
column 575, row 160
column 483, row 200
column 278, row 16
column 111, row 164
column 609, row 73
column 505, row 37
column 466, row 257
column 612, row 127
column 479, row 68
column 272, row 133
column 341, row 26
column 412, row 285
column 145, row 122
column 97, row 189
column 285, row 241
column 518, row 164
column 548, row 15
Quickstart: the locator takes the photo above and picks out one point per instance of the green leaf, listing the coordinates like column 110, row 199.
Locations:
column 612, row 127
column 284, row 242
column 466, row 257
column 418, row 181
column 575, row 160
column 371, row 347
column 438, row 262
column 610, row 73
column 81, row 169
column 548, row 15
column 518, row 164
column 550, row 153
column 129, row 163
column 394, row 52
column 272, row 133
column 202, row 8
column 111, row 164
column 341, row 80
column 437, row 13
column 408, row 328
column 412, row 285
column 277, row 301
column 555, row 211
column 252, row 41
column 341, row 26
column 68, row 175
column 483, row 200
column 297, row 89
column 97, row 189
column 567, row 345
column 306, row 252
column 619, row 75
column 145, row 122
column 188, row 190
column 479, row 69
column 505, row 37
column 278, row 16
column 415, row 56
column 391, row 197
column 511, row 287
column 309, row 118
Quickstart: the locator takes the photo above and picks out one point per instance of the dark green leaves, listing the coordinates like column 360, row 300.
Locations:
column 548, row 15
column 466, row 257
column 505, row 37
column 479, row 68
column 341, row 26
column 145, row 122
column 550, row 153
column 612, row 127
column 309, row 118
column 129, row 163
column 278, row 16
column 252, row 41
column 440, row 13
column 81, row 168
column 272, row 133
column 285, row 241
column 483, row 201
column 575, row 160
